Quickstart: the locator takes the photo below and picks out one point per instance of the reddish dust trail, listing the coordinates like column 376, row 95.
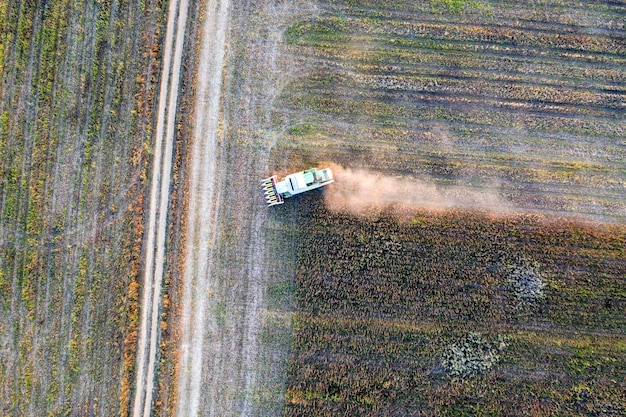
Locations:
column 363, row 192
column 159, row 202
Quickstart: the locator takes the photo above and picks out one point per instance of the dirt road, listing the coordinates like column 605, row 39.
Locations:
column 235, row 341
column 159, row 202
column 203, row 199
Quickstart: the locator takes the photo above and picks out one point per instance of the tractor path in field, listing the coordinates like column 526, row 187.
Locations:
column 158, row 210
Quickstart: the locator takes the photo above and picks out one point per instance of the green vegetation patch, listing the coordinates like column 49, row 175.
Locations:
column 452, row 6
column 305, row 129
column 333, row 29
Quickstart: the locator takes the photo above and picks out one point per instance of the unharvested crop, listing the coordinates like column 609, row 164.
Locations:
column 417, row 316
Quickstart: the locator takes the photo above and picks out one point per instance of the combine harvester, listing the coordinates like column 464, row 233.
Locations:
column 310, row 179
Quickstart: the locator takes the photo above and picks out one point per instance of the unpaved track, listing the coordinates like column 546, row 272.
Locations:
column 159, row 202
column 227, row 367
column 203, row 200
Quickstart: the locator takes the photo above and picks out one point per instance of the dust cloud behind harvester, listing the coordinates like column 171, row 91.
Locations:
column 363, row 192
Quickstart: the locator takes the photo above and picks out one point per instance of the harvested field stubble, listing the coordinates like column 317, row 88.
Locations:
column 76, row 95
column 529, row 97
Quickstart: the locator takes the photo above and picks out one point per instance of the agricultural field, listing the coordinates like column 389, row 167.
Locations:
column 505, row 296
column 77, row 85
column 514, row 308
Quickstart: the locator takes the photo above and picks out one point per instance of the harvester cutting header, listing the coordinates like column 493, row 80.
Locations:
column 310, row 179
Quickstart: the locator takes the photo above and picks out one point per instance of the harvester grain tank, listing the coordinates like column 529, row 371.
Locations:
column 277, row 191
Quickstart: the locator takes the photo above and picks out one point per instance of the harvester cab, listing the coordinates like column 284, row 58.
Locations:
column 300, row 182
